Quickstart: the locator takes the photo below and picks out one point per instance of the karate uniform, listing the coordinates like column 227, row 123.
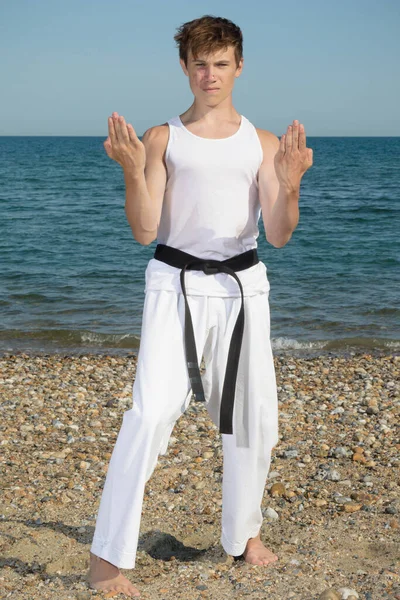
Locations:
column 210, row 210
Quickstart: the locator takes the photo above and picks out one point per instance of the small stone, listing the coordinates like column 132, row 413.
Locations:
column 277, row 489
column 347, row 593
column 359, row 458
column 271, row 514
column 290, row 453
column 320, row 475
column 391, row 510
column 362, row 497
column 351, row 507
column 341, row 451
column 333, row 475
column 290, row 494
column 111, row 402
column 342, row 499
column 320, row 502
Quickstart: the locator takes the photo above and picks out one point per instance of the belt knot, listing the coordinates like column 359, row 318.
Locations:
column 209, row 268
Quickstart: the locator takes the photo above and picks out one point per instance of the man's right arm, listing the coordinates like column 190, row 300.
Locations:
column 145, row 188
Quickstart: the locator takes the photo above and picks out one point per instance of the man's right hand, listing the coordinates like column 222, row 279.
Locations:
column 123, row 145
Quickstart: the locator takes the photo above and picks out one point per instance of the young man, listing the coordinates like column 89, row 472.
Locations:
column 198, row 184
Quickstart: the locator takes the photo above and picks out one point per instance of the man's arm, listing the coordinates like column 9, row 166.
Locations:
column 145, row 188
column 279, row 203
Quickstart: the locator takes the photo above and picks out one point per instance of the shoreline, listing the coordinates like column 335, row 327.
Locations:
column 300, row 353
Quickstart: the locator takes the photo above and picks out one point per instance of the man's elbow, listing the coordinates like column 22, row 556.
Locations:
column 278, row 242
column 144, row 239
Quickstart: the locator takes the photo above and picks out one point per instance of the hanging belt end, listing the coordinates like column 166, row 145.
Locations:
column 226, row 429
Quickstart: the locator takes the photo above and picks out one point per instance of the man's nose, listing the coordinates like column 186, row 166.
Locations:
column 210, row 75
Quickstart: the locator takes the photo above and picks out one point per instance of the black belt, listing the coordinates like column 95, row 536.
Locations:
column 184, row 261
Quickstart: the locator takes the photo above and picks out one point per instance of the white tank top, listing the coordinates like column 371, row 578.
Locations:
column 211, row 208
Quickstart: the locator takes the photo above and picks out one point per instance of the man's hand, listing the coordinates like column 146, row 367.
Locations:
column 123, row 145
column 293, row 158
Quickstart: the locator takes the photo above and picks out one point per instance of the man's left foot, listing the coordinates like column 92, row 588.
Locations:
column 257, row 554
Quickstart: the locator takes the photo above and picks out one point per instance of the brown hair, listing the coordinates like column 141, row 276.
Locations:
column 208, row 34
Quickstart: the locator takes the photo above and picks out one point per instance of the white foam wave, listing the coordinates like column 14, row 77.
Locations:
column 283, row 343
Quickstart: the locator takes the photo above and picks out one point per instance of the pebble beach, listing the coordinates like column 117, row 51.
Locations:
column 331, row 504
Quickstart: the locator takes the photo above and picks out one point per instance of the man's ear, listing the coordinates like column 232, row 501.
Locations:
column 239, row 68
column 184, row 69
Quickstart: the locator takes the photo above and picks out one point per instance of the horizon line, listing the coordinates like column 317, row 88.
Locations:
column 103, row 135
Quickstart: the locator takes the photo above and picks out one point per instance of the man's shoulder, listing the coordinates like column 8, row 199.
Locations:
column 269, row 142
column 267, row 136
column 156, row 138
column 157, row 132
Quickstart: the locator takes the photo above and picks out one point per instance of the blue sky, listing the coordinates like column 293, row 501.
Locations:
column 66, row 65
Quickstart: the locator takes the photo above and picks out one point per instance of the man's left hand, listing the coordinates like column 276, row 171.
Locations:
column 293, row 157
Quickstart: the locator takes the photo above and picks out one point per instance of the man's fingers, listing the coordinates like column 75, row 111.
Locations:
column 289, row 138
column 122, row 131
column 282, row 144
column 117, row 127
column 132, row 133
column 107, row 147
column 111, row 130
column 295, row 128
column 302, row 137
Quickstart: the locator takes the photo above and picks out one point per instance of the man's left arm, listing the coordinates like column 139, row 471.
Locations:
column 280, row 173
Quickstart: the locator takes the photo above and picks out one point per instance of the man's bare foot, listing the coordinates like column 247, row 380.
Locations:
column 257, row 554
column 107, row 577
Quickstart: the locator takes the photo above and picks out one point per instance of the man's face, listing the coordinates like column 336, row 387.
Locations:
column 212, row 76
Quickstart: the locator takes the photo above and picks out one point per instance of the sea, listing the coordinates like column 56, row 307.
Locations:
column 72, row 275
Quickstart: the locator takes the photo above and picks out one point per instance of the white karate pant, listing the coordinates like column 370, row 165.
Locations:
column 161, row 394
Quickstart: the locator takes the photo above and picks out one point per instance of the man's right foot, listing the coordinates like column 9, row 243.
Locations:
column 106, row 577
